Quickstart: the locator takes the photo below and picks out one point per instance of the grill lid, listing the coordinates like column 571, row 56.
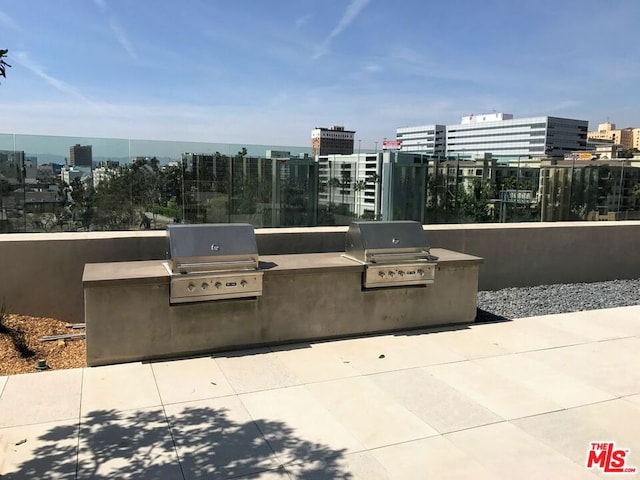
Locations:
column 393, row 241
column 211, row 247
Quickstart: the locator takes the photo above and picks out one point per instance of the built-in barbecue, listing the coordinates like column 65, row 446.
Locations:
column 394, row 253
column 212, row 262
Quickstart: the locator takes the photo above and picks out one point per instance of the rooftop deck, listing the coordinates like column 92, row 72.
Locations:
column 515, row 399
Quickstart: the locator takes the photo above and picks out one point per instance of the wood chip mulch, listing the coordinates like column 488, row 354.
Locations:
column 59, row 354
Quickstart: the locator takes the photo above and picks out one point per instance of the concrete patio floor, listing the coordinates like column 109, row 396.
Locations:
column 515, row 399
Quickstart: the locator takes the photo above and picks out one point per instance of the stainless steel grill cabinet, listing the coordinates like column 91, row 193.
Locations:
column 212, row 262
column 394, row 253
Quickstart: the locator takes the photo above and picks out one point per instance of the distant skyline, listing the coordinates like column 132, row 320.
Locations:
column 255, row 72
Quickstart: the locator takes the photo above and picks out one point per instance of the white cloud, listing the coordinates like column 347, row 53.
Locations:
column 302, row 21
column 274, row 123
column 7, row 22
column 350, row 14
column 116, row 28
column 121, row 37
column 23, row 59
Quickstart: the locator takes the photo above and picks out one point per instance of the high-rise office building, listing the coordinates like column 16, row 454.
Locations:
column 499, row 134
column 331, row 141
column 80, row 156
column 427, row 139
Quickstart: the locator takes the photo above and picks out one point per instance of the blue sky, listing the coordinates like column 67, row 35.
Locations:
column 267, row 72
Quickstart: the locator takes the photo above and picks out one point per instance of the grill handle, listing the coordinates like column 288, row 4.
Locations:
column 412, row 256
column 217, row 264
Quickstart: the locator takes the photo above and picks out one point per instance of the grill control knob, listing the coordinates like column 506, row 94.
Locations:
column 243, row 283
column 218, row 284
column 191, row 287
column 204, row 285
column 401, row 273
column 421, row 272
column 391, row 273
column 381, row 273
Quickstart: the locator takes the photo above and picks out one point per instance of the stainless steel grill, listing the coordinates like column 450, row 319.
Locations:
column 212, row 262
column 394, row 253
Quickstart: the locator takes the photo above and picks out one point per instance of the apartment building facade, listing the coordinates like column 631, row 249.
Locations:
column 608, row 132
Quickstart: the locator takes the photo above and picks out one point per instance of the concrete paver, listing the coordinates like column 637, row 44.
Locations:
column 383, row 422
column 298, row 426
column 520, row 399
column 127, row 444
column 216, row 438
column 392, row 352
column 255, row 370
column 468, row 342
column 438, row 404
column 491, row 390
column 526, row 336
column 122, row 387
column 40, row 397
column 434, row 457
column 40, row 450
column 571, row 431
column 547, row 382
column 600, row 364
column 508, row 452
column 190, row 379
column 315, row 362
column 360, row 465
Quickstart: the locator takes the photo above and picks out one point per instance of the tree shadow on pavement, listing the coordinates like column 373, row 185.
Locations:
column 187, row 442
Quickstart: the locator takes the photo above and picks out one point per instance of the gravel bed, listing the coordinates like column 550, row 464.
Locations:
column 550, row 299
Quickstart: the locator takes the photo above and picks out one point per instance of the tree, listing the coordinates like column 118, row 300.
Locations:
column 358, row 187
column 475, row 200
column 3, row 64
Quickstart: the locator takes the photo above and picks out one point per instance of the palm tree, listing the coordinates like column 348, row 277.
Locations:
column 358, row 186
column 376, row 179
column 333, row 184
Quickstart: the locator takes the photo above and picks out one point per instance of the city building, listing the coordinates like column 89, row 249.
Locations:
column 103, row 173
column 334, row 140
column 266, row 192
column 608, row 132
column 69, row 173
column 427, row 139
column 341, row 177
column 499, row 134
column 588, row 190
column 277, row 154
column 388, row 185
column 12, row 165
column 636, row 138
column 80, row 156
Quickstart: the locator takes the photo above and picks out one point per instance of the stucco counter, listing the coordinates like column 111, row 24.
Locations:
column 307, row 296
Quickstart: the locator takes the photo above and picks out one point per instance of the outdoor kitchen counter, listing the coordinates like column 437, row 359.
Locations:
column 305, row 297
column 315, row 262
column 150, row 271
column 96, row 274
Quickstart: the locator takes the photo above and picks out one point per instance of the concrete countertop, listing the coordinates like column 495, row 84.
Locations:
column 145, row 271
column 153, row 271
